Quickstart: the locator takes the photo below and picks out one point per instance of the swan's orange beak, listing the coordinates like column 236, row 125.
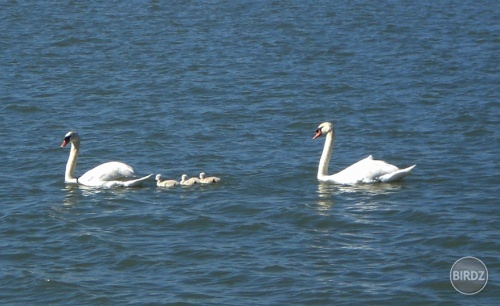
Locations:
column 65, row 142
column 318, row 133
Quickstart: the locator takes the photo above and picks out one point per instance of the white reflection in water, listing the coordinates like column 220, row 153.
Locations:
column 74, row 193
column 326, row 191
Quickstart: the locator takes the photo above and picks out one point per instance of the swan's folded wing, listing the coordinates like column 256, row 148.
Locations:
column 111, row 171
column 366, row 170
column 130, row 183
column 396, row 176
column 378, row 169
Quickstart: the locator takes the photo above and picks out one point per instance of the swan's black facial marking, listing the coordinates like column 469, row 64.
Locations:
column 66, row 140
column 318, row 133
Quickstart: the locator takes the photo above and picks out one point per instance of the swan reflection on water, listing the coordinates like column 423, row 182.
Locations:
column 71, row 196
column 74, row 193
column 372, row 189
column 325, row 196
column 326, row 191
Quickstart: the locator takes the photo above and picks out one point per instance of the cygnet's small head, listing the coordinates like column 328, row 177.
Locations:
column 202, row 175
column 70, row 137
column 323, row 128
column 158, row 177
column 184, row 177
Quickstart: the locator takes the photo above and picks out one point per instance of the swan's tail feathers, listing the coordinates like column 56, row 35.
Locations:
column 136, row 182
column 396, row 175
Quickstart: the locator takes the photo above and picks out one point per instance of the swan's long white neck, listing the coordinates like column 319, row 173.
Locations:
column 326, row 155
column 69, row 175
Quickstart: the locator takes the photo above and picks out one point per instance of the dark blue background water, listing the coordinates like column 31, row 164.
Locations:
column 236, row 89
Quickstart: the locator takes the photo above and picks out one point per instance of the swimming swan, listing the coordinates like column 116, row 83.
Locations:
column 188, row 182
column 208, row 180
column 366, row 170
column 165, row 183
column 111, row 174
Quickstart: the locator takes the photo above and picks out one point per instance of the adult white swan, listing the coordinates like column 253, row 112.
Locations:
column 111, row 174
column 366, row 170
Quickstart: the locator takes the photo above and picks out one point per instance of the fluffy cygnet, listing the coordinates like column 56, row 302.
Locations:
column 208, row 180
column 165, row 183
column 188, row 182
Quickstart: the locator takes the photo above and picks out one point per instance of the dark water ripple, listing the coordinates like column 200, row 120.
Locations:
column 236, row 89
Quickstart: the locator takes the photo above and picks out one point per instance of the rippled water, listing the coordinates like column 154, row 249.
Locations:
column 236, row 89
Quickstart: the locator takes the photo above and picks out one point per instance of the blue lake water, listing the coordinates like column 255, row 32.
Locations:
column 236, row 89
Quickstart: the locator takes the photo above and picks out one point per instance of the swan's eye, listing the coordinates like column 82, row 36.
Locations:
column 67, row 138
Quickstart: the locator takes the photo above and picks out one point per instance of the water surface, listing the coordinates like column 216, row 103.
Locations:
column 236, row 89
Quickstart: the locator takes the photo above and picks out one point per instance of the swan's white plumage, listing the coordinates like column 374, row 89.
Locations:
column 366, row 170
column 110, row 174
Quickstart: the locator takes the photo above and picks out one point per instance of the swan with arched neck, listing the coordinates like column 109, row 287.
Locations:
column 367, row 170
